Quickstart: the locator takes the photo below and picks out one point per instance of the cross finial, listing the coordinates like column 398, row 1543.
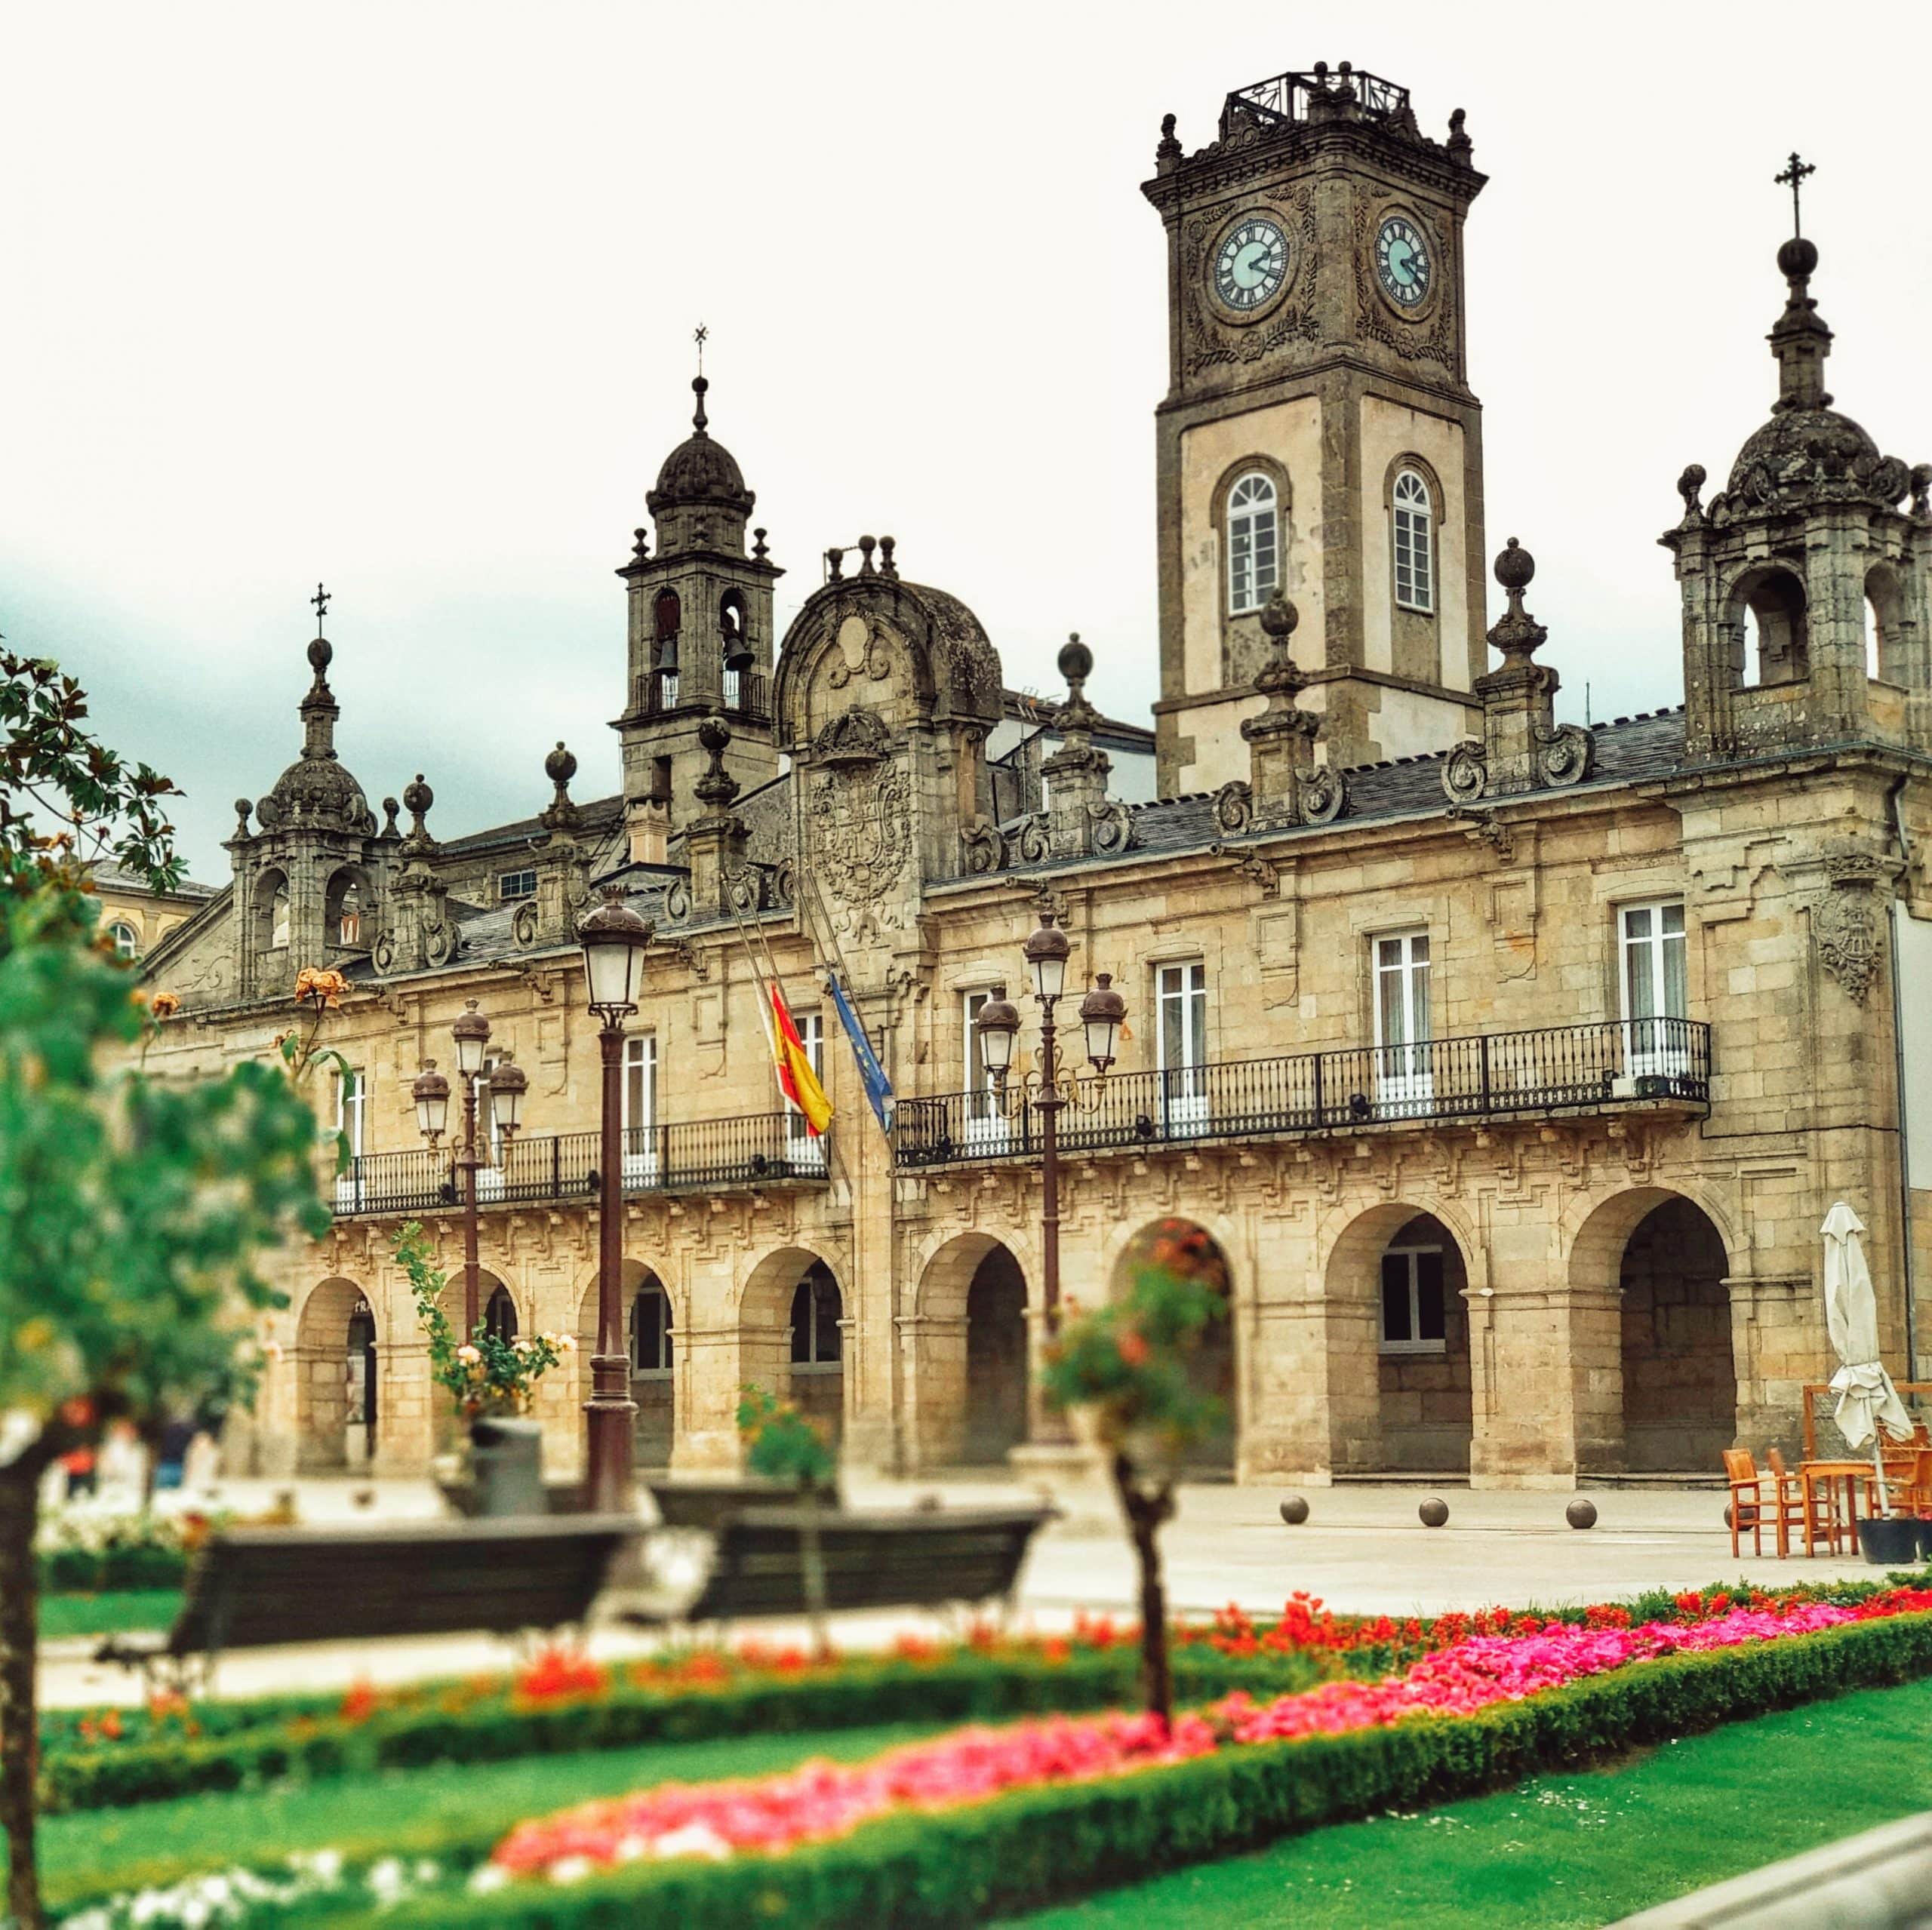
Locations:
column 699, row 336
column 1793, row 177
column 322, row 601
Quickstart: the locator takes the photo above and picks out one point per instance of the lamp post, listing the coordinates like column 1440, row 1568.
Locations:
column 431, row 1091
column 613, row 939
column 1101, row 1012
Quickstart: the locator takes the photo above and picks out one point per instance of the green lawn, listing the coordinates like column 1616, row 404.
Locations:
column 411, row 1811
column 110, row 1613
column 1570, row 1852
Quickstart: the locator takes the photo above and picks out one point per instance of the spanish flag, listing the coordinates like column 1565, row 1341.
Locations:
column 796, row 1080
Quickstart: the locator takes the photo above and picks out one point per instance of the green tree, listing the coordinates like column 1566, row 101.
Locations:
column 1124, row 1368
column 133, row 1212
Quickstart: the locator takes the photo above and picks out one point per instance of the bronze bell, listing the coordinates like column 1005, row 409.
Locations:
column 667, row 655
column 737, row 648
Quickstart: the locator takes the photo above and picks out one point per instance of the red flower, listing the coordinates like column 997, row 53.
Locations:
column 359, row 1703
column 1132, row 1345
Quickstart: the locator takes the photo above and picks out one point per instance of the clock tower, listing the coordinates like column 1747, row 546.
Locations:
column 1318, row 433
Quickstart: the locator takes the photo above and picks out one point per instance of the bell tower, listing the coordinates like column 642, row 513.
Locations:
column 1318, row 437
column 700, row 637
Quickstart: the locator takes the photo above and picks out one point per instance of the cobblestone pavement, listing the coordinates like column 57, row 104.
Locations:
column 1361, row 1549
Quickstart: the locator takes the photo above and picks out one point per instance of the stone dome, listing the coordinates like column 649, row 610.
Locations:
column 966, row 677
column 1804, row 454
column 316, row 791
column 700, row 470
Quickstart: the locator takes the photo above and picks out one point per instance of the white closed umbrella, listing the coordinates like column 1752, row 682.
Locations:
column 1868, row 1403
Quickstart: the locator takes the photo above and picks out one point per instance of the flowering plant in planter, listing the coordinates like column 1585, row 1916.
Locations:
column 1124, row 1368
column 486, row 1375
column 783, row 1445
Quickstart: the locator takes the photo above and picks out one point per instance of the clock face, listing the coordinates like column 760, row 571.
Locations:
column 1250, row 264
column 1403, row 263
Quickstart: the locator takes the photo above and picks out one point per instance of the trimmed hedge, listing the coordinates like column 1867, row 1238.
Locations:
column 110, row 1570
column 967, row 1688
column 956, row 1868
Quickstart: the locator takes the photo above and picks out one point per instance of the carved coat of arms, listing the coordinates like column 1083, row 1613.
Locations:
column 862, row 835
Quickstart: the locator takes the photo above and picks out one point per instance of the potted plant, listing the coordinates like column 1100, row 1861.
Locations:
column 492, row 1382
column 787, row 1449
column 1122, row 1372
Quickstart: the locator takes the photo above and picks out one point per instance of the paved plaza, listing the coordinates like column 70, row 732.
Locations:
column 1362, row 1549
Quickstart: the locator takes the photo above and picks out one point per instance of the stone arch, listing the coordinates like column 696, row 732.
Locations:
column 654, row 1388
column 971, row 1374
column 1667, row 1258
column 1395, row 1284
column 273, row 911
column 323, row 1378
column 1769, row 608
column 1888, row 652
column 1212, row 1366
column 348, row 906
column 766, row 1306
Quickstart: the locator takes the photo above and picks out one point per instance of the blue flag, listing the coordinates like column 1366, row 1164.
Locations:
column 872, row 1074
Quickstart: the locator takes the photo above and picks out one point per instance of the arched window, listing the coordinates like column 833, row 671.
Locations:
column 815, row 1311
column 1415, row 543
column 344, row 911
column 1770, row 640
column 278, row 918
column 650, row 1330
column 126, row 940
column 665, row 614
column 500, row 1316
column 1254, row 543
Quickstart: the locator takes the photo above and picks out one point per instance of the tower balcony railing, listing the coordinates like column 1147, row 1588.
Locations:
column 1497, row 1075
column 1282, row 99
column 745, row 695
column 704, row 1155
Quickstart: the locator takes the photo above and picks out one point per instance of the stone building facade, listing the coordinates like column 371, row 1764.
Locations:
column 1511, row 1066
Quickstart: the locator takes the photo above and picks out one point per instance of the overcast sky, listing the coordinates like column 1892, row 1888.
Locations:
column 400, row 297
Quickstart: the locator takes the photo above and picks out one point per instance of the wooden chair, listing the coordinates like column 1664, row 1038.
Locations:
column 1748, row 1506
column 1788, row 1502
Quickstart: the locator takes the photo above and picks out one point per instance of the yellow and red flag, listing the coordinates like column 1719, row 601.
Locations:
column 796, row 1078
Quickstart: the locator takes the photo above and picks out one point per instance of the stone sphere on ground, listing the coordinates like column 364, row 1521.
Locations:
column 1581, row 1513
column 1294, row 1510
column 1434, row 1512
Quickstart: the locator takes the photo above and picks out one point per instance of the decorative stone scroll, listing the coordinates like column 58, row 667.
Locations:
column 1845, row 916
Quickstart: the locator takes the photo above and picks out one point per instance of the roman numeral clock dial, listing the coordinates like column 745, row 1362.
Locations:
column 1403, row 264
column 1251, row 265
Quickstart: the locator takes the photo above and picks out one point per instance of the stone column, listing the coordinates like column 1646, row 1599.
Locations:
column 1547, row 1382
column 932, row 1349
column 709, row 1373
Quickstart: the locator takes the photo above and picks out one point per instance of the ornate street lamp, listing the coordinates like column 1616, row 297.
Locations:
column 431, row 1091
column 998, row 1026
column 613, row 939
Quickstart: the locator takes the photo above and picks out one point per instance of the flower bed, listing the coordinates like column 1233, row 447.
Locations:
column 954, row 1862
column 79, row 1552
column 822, row 1800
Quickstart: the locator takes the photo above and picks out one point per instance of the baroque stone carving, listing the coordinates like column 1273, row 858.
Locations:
column 1324, row 795
column 875, row 661
column 523, row 926
column 1233, row 805
column 678, row 899
column 862, row 835
column 1032, row 842
column 1563, row 753
column 854, row 737
column 1113, row 826
column 1465, row 772
column 1845, row 916
column 982, row 848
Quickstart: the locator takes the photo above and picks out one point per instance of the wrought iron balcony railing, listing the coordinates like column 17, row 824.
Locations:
column 1566, row 1068
column 743, row 694
column 764, row 1150
column 1283, row 99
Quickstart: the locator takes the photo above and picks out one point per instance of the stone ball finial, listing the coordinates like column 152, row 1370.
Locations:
column 1280, row 616
column 1076, row 660
column 243, row 806
column 714, row 734
column 1514, row 566
column 560, row 766
column 418, row 797
column 1798, row 258
column 322, row 654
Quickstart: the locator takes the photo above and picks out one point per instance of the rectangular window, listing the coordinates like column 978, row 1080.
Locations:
column 811, row 1035
column 516, row 884
column 1655, row 997
column 638, row 1109
column 985, row 1118
column 651, row 1330
column 1415, row 562
column 1414, row 1317
column 1404, row 1069
column 351, row 1095
column 1180, row 996
column 1254, row 561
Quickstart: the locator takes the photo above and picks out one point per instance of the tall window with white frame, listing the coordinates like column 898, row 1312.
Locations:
column 1255, row 543
column 638, row 1108
column 800, row 1143
column 984, row 1118
column 1180, row 999
column 352, row 1097
column 1404, row 1083
column 650, row 1329
column 1655, row 993
column 126, row 940
column 1415, row 543
column 1414, row 1317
